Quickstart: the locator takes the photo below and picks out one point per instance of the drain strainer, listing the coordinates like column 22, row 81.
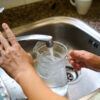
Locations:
column 72, row 75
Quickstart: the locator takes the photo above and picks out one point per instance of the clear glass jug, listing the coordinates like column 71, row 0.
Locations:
column 51, row 63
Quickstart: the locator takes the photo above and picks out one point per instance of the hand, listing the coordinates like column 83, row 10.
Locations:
column 13, row 59
column 81, row 58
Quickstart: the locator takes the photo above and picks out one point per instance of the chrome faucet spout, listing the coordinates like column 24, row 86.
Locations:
column 39, row 37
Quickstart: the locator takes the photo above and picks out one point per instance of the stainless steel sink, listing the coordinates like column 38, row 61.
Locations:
column 75, row 34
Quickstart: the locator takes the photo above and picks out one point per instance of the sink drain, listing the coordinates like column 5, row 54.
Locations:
column 72, row 75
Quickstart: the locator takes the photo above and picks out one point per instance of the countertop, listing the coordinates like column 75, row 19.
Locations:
column 26, row 14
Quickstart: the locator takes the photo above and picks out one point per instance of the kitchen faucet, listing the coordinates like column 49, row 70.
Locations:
column 45, row 38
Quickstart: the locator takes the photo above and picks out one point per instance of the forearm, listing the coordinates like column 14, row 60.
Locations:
column 35, row 88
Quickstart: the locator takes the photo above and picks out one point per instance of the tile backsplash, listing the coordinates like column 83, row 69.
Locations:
column 14, row 3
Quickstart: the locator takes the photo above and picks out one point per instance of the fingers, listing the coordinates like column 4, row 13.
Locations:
column 10, row 35
column 3, row 41
column 1, row 54
column 1, row 47
column 74, row 54
column 79, row 54
column 75, row 65
column 78, row 58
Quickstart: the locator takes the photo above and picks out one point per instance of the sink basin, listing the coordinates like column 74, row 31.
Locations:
column 70, row 31
column 75, row 34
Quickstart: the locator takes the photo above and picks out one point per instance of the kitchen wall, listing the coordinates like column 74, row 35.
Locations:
column 14, row 3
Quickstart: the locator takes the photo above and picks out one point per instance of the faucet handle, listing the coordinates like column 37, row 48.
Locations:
column 1, row 9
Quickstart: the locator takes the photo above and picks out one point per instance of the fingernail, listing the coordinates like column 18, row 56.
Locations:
column 4, row 25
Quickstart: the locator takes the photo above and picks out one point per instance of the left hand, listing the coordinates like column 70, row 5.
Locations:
column 13, row 58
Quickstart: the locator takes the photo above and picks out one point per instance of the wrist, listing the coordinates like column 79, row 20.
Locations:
column 22, row 73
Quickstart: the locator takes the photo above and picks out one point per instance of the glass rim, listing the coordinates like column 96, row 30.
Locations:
column 61, row 44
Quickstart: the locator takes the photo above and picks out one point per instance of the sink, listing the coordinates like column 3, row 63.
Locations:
column 75, row 34
column 70, row 31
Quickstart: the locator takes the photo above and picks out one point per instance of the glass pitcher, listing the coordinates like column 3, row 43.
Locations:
column 51, row 63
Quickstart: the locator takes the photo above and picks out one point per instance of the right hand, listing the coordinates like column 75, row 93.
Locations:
column 81, row 58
